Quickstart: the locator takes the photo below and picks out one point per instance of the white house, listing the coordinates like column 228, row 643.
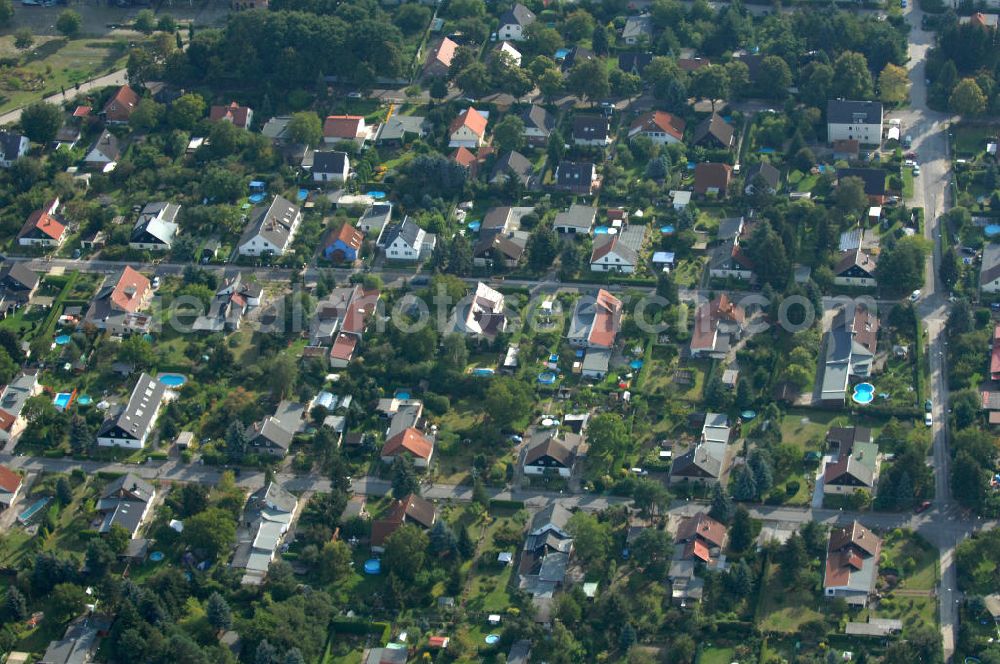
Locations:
column 618, row 252
column 848, row 120
column 468, row 130
column 43, row 228
column 550, row 451
column 330, row 166
column 131, row 425
column 271, row 229
column 407, row 241
column 513, row 22
column 156, row 227
column 989, row 273
column 660, row 127
column 12, row 147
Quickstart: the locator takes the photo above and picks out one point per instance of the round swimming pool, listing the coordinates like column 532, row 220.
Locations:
column 373, row 566
column 864, row 393
column 492, row 639
column 63, row 339
column 156, row 556
column 171, row 379
column 546, row 378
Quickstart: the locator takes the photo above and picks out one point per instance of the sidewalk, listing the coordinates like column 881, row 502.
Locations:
column 114, row 78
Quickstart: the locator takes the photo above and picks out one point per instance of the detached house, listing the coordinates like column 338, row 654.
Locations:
column 701, row 538
column 989, row 271
column 344, row 244
column 401, row 128
column 717, row 324
column 13, row 146
column 412, row 443
column 764, row 174
column 269, row 437
column 637, row 28
column 156, row 227
column 513, row 22
column 848, row 120
column 106, row 150
column 10, row 487
column 330, row 166
column 852, row 557
column 727, row 260
column 545, row 557
column 596, row 321
column 439, row 60
column 511, row 164
column 501, row 237
column 119, row 303
column 551, row 452
column 577, row 220
column 856, row 267
column 229, row 305
column 17, row 285
column 120, row 107
column 618, row 252
column 125, row 501
column 855, row 461
column 410, row 509
column 873, row 180
column 337, row 128
column 482, row 313
column 12, row 401
column 714, row 132
column 340, row 322
column 577, row 177
column 468, row 130
column 129, row 426
column 850, row 351
column 268, row 516
column 43, row 228
column 406, row 241
column 660, row 127
column 538, row 125
column 271, row 229
column 712, row 179
column 592, row 130
column 233, row 113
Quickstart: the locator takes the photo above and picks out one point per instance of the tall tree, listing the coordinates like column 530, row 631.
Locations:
column 852, row 79
column 404, row 478
column 967, row 98
column 588, row 80
column 218, row 613
column 893, row 84
column 405, row 551
column 40, row 121
column 305, row 127
column 508, row 134
column 722, row 505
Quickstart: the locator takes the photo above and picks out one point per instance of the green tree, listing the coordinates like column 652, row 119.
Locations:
column 40, row 121
column 305, row 126
column 23, row 39
column 710, row 82
column 901, row 265
column 793, row 559
column 508, row 401
column 542, row 248
column 99, row 558
column 166, row 23
column 118, row 538
column 454, row 353
column 186, row 110
column 15, row 606
column 404, row 478
column 893, row 84
column 211, row 532
column 591, row 538
column 283, row 373
column 967, row 98
column 334, row 561
column 64, row 492
column 438, row 87
column 405, row 551
column 550, row 83
column 136, row 352
column 69, row 22
column 722, row 505
column 66, row 601
column 588, row 80
column 508, row 134
column 851, row 77
column 218, row 613
column 412, row 18
column 741, row 532
column 145, row 21
column 850, row 195
column 236, row 442
column 650, row 496
column 577, row 25
column 147, row 115
column 767, row 251
column 950, row 268
column 774, row 77
column 607, row 436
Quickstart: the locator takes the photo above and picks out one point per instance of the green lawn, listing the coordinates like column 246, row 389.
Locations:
column 716, row 655
column 912, row 555
column 971, row 140
column 784, row 610
column 907, row 183
column 802, row 182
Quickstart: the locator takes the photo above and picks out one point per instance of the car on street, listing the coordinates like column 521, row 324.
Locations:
column 923, row 507
column 914, row 296
column 909, row 163
column 928, row 405
column 916, row 169
column 928, row 419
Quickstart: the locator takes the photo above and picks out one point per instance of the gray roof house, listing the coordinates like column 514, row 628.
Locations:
column 511, row 164
column 12, row 400
column 577, row 219
column 13, row 146
column 271, row 228
column 850, row 351
column 78, row 645
column 106, row 149
column 396, row 128
column 538, row 125
column 520, row 652
column 546, row 554
column 852, row 558
column 268, row 515
column 989, row 272
column 156, row 227
column 125, row 502
column 637, row 27
column 407, row 241
column 130, row 425
column 706, row 462
column 765, row 172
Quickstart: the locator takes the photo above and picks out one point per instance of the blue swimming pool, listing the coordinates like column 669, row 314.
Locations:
column 991, row 230
column 303, row 194
column 63, row 339
column 156, row 556
column 667, row 230
column 546, row 378
column 483, row 371
column 767, row 151
column 377, row 195
column 474, row 226
column 26, row 515
column 748, row 415
column 492, row 639
column 84, row 400
column 402, row 394
column 62, row 400
column 635, row 364
column 171, row 379
column 864, row 393
column 373, row 566
column 601, row 230
column 255, row 198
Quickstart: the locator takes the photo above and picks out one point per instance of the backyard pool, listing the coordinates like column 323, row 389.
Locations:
column 63, row 339
column 546, row 378
column 402, row 395
column 255, row 198
column 84, row 400
column 26, row 515
column 991, row 230
column 474, row 226
column 62, row 400
column 635, row 364
column 303, row 194
column 156, row 556
column 373, row 566
column 377, row 195
column 492, row 639
column 483, row 371
column 667, row 230
column 601, row 230
column 863, row 393
column 171, row 379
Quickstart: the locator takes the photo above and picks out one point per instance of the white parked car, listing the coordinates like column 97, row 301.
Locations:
column 928, row 419
column 914, row 296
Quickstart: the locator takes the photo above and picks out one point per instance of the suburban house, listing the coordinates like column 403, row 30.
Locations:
column 439, row 60
column 552, row 452
column 596, row 321
column 595, row 363
column 156, row 227
column 468, row 130
column 410, row 509
column 995, row 354
column 17, row 284
column 707, row 461
column 545, row 557
column 873, row 180
column 43, row 228
column 576, row 55
column 233, row 113
column 501, row 237
column 398, row 129
column 660, row 127
column 406, row 241
column 855, row 461
column 78, row 644
column 727, row 259
column 637, row 28
column 848, row 120
column 125, row 501
column 409, row 442
column 633, row 62
column 593, row 130
column 231, row 302
column 469, row 160
column 538, row 125
column 712, row 179
column 384, row 656
column 717, row 324
column 507, row 49
column 511, row 164
column 374, row 220
column 852, row 557
column 618, row 252
column 701, row 538
column 268, row 515
column 855, row 267
column 10, row 487
column 763, row 173
column 337, row 128
column 271, row 229
column 118, row 304
column 12, row 400
column 576, row 177
column 340, row 322
column 130, row 425
column 269, row 437
column 121, row 105
column 513, row 22
column 846, row 149
column 107, row 149
column 330, row 166
column 850, row 350
column 344, row 244
column 481, row 314
column 989, row 271
column 13, row 146
column 578, row 219
column 714, row 132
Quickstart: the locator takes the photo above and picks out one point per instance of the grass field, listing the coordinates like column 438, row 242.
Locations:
column 715, row 655
column 785, row 610
column 56, row 63
column 971, row 140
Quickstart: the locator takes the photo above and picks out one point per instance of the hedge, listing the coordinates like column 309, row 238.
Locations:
column 496, row 503
column 352, row 626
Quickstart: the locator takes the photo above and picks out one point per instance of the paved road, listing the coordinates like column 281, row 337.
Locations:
column 114, row 78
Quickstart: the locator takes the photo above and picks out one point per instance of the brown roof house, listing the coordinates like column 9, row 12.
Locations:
column 854, row 463
column 717, row 324
column 707, row 461
column 239, row 116
column 121, row 105
column 714, row 132
column 440, row 58
column 852, row 558
column 409, row 442
column 712, row 178
column 10, row 487
column 703, row 538
column 119, row 304
column 596, row 321
column 551, row 452
column 658, row 126
column 411, row 509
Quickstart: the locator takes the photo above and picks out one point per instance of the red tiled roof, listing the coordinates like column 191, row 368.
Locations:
column 238, row 115
column 463, row 157
column 121, row 105
column 409, row 440
column 660, row 121
column 44, row 222
column 697, row 549
column 445, row 52
column 471, row 118
column 344, row 347
column 6, row 420
column 129, row 293
column 704, row 528
column 691, row 64
column 607, row 319
column 81, row 111
column 349, row 235
column 343, row 126
column 360, row 308
column 9, row 480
